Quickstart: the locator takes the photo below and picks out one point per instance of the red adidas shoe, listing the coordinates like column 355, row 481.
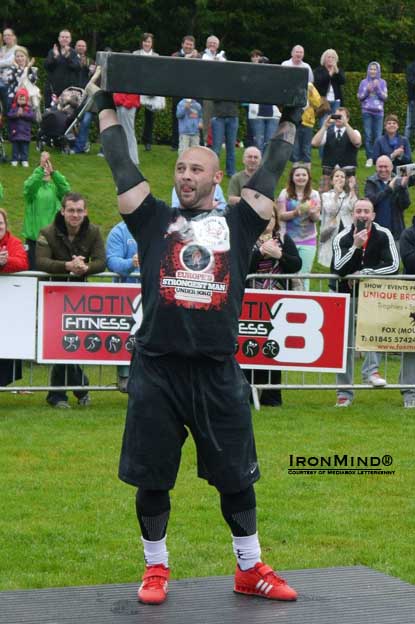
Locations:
column 154, row 588
column 261, row 580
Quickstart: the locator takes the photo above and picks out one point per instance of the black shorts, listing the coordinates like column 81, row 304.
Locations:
column 170, row 394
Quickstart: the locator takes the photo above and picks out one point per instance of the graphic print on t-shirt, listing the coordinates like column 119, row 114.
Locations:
column 194, row 271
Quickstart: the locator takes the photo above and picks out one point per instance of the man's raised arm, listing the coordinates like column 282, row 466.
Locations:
column 132, row 187
column 259, row 191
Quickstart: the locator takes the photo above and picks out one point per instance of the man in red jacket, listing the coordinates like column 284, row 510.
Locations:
column 13, row 257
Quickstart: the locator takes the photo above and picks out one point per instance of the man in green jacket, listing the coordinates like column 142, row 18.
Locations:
column 43, row 193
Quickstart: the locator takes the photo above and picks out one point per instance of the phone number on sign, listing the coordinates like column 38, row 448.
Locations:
column 389, row 339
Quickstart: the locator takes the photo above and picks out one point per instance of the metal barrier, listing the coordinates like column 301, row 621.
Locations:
column 36, row 377
column 327, row 381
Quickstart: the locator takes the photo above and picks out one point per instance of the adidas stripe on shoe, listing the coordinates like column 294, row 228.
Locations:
column 261, row 580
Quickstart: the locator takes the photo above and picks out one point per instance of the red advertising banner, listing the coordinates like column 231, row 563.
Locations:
column 293, row 330
column 95, row 323
column 87, row 323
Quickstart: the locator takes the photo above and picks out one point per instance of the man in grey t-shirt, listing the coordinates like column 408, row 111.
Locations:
column 251, row 160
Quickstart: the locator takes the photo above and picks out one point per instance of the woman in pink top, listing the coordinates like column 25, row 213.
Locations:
column 299, row 207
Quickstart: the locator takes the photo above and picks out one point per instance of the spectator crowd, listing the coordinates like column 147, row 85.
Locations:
column 347, row 229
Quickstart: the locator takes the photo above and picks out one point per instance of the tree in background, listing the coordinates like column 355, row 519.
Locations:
column 379, row 30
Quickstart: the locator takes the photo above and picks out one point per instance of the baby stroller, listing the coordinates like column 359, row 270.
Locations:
column 57, row 119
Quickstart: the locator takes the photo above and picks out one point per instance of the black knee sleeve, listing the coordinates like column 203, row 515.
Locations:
column 277, row 153
column 115, row 146
column 153, row 510
column 239, row 511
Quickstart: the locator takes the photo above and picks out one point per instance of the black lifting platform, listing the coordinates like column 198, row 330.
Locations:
column 352, row 595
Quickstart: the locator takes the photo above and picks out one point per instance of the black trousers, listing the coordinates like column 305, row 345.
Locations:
column 66, row 375
column 268, row 397
column 147, row 137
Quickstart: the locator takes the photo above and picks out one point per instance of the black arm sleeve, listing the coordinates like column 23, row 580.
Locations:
column 276, row 156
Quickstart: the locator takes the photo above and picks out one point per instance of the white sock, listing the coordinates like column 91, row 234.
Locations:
column 247, row 550
column 156, row 552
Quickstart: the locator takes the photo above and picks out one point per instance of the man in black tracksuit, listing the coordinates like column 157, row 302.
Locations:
column 370, row 251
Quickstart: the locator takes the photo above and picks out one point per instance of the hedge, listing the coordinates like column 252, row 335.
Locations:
column 396, row 103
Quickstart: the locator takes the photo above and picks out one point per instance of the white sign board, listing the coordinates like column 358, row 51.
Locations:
column 18, row 317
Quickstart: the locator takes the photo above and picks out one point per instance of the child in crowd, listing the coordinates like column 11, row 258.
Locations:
column 21, row 117
column 43, row 192
column 189, row 114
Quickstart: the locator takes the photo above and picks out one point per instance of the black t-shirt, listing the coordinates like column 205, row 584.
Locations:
column 193, row 269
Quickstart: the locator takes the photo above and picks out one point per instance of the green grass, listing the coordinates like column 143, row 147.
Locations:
column 66, row 519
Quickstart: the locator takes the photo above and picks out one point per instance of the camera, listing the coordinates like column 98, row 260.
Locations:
column 360, row 225
column 336, row 116
column 406, row 170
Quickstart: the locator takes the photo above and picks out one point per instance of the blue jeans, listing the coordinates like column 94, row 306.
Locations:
column 371, row 362
column 83, row 134
column 410, row 120
column 225, row 128
column 302, row 145
column 20, row 151
column 372, row 127
column 262, row 131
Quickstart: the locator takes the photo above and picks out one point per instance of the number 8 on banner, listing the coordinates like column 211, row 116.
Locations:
column 297, row 322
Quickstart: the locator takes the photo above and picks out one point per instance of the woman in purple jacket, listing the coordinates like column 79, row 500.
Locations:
column 392, row 144
column 21, row 117
column 372, row 93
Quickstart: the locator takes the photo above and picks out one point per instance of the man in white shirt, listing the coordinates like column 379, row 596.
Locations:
column 296, row 60
column 340, row 144
column 210, row 54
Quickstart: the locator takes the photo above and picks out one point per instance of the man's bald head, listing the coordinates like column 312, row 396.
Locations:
column 207, row 155
column 384, row 168
column 251, row 159
column 196, row 174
